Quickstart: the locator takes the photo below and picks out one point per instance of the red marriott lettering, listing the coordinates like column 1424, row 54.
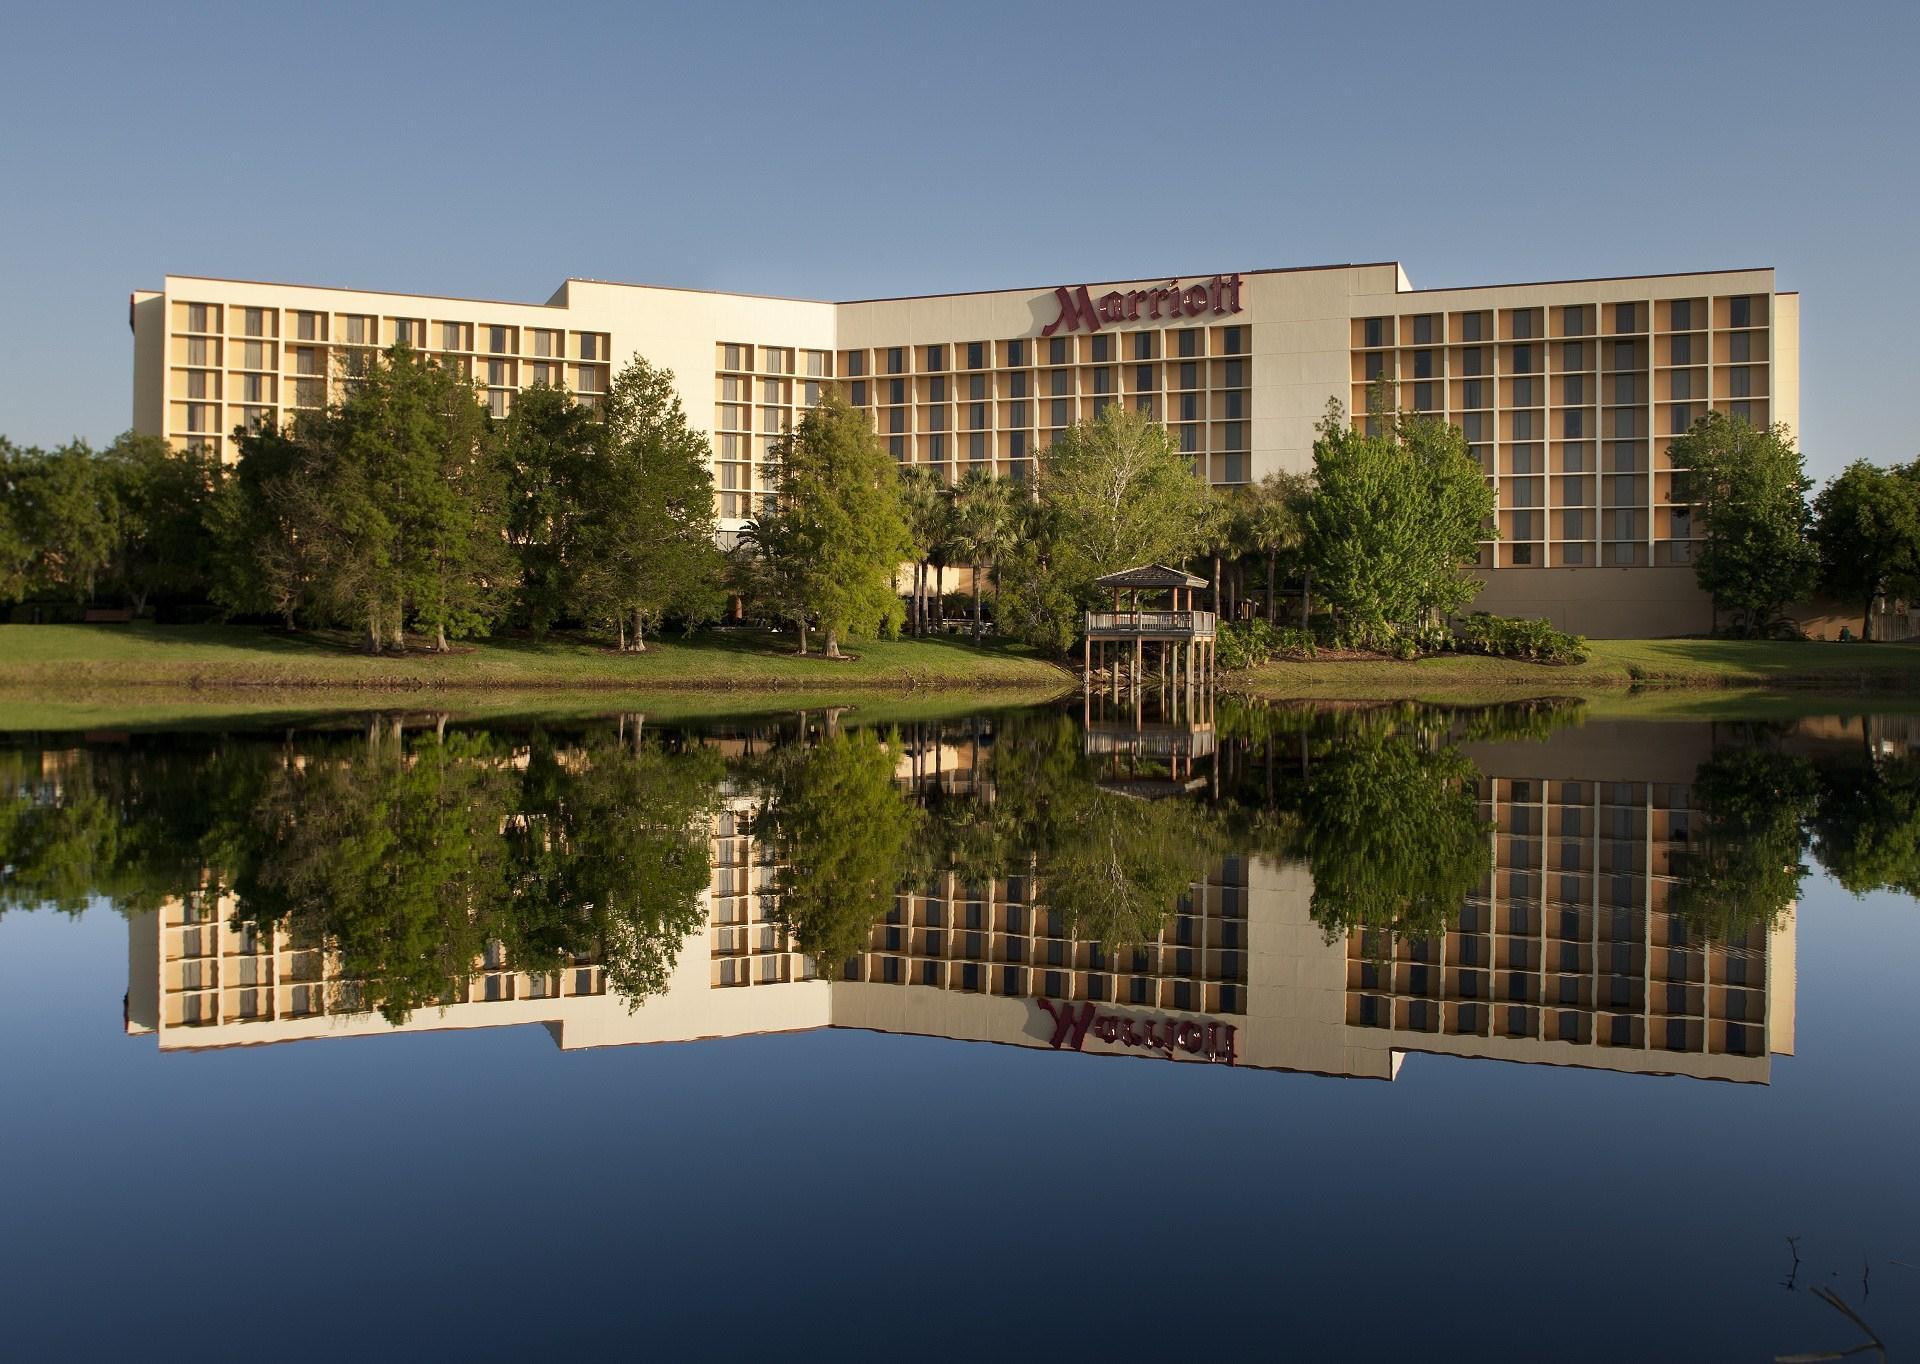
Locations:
column 1221, row 295
column 1197, row 1037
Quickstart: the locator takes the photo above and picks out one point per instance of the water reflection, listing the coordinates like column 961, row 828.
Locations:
column 1269, row 887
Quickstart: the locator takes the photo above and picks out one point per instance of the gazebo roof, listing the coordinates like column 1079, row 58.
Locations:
column 1150, row 575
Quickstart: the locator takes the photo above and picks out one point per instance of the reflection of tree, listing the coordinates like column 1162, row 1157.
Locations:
column 390, row 856
column 1743, row 867
column 607, row 856
column 841, row 830
column 1866, row 831
column 1393, row 833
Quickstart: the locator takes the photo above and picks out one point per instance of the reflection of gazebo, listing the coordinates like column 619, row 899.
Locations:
column 1167, row 619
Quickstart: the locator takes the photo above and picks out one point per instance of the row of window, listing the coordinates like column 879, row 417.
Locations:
column 366, row 329
column 1522, row 324
column 1576, row 357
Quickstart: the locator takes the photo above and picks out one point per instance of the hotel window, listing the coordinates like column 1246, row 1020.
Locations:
column 1017, row 447
column 896, row 420
column 358, row 330
column 1682, row 385
column 197, row 384
column 544, row 344
column 1189, row 440
column 1573, row 321
column 1103, row 380
column 1627, row 390
column 592, row 346
column 1740, row 312
column 936, row 357
column 1057, row 351
column 1189, row 407
column 1237, row 402
column 1374, row 332
column 497, row 402
column 1423, row 329
column 897, row 447
column 403, row 332
column 936, row 419
column 976, row 446
column 497, row 343
column 817, row 366
column 253, row 355
column 976, row 355
column 896, row 390
column 1573, row 525
column 810, row 393
column 253, row 388
column 977, row 417
column 1235, row 435
column 1099, row 406
column 775, row 360
column 1016, row 353
column 1625, row 318
column 254, row 321
column 1573, row 424
column 199, row 317
column 1682, row 418
column 498, row 373
column 308, row 327
column 1060, row 383
column 1060, row 414
column 1143, row 345
column 453, row 336
column 1189, row 376
column 1017, row 387
column 856, row 363
column 1424, row 398
column 896, row 360
column 1682, row 350
column 936, row 448
column 937, row 389
column 1233, row 341
column 1472, row 326
column 1236, row 374
column 1523, row 394
column 1017, row 414
column 1680, row 313
column 859, row 393
column 1740, row 381
column 771, row 391
column 1680, row 523
column 1102, row 349
column 1526, row 323
column 1473, row 360
column 1573, row 356
column 1473, row 393
column 1740, row 348
column 1189, row 342
column 1423, row 364
column 1523, row 359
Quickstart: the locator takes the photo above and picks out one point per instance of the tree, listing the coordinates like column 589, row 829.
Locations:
column 1276, row 529
column 1743, row 868
column 1866, row 825
column 62, row 520
column 1748, row 486
column 273, row 545
column 647, row 542
column 837, row 516
column 927, row 507
column 1866, row 529
column 1397, row 514
column 550, row 448
column 160, row 545
column 1121, row 495
column 983, row 527
column 842, row 831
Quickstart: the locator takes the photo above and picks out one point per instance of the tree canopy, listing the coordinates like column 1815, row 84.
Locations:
column 1748, row 486
column 1866, row 529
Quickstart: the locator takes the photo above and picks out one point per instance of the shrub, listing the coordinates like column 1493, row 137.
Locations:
column 1509, row 637
column 1249, row 643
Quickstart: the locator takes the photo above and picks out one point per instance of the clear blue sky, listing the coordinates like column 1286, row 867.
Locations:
column 838, row 151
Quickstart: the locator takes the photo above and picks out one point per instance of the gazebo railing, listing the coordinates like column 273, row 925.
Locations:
column 1198, row 624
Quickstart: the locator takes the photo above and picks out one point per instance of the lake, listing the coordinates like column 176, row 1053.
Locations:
column 1376, row 1032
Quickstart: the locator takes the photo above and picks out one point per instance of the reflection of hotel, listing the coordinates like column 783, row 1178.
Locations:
column 1568, row 956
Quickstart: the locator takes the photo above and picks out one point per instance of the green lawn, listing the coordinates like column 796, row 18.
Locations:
column 53, row 661
column 1616, row 666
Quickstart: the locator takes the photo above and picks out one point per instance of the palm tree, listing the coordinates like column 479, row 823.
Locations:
column 1274, row 527
column 928, row 509
column 983, row 517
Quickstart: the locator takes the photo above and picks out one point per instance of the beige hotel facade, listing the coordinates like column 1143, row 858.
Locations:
column 1569, row 392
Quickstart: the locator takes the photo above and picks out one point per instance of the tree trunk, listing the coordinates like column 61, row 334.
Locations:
column 803, row 639
column 1216, row 585
column 976, row 601
column 833, row 644
column 440, row 638
column 1273, row 589
column 1866, row 619
column 373, row 631
column 639, row 632
column 1306, row 596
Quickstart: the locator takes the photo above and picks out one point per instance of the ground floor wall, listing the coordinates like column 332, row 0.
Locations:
column 1649, row 602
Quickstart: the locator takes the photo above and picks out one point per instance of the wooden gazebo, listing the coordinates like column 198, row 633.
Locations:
column 1152, row 604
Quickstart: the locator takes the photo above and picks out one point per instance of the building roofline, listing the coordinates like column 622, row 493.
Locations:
column 1129, row 279
column 1591, row 279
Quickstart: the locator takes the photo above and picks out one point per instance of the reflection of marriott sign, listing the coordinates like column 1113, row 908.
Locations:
column 1221, row 294
column 1197, row 1037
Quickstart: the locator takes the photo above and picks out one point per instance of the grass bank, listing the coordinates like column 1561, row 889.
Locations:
column 1617, row 667
column 55, row 661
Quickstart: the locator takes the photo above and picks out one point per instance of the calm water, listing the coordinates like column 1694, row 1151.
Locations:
column 1386, row 1034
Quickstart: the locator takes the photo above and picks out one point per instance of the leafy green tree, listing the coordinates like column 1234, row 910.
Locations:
column 842, row 831
column 1275, row 529
column 273, row 545
column 648, row 548
column 1748, row 486
column 1392, row 830
column 60, row 520
column 550, row 447
column 1743, row 867
column 1121, row 495
column 838, row 521
column 984, row 524
column 161, row 492
column 1866, row 529
column 1397, row 515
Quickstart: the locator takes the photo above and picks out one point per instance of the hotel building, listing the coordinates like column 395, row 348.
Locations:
column 1568, row 392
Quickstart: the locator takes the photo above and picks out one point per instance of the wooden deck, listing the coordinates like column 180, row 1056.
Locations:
column 1151, row 624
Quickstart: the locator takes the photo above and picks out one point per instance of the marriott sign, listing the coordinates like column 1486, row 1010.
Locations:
column 1078, row 308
